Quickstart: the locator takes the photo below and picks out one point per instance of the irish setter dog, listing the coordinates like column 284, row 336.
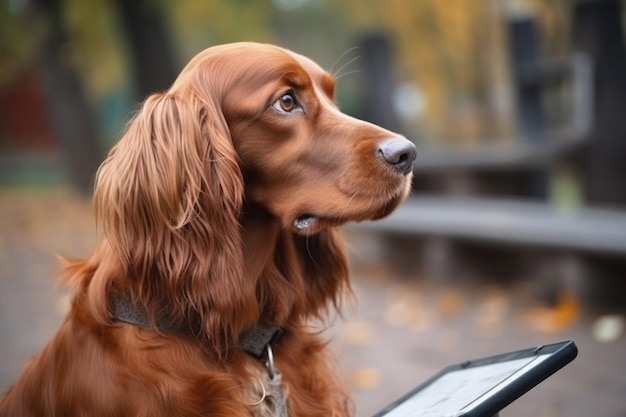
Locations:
column 220, row 207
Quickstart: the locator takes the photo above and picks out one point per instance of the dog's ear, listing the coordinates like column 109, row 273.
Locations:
column 168, row 197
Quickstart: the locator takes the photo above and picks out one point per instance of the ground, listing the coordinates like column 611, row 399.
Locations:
column 397, row 331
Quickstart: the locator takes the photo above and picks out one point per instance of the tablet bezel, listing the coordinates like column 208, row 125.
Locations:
column 560, row 354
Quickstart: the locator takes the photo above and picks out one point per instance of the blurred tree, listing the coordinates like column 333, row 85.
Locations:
column 78, row 54
column 154, row 64
column 69, row 110
column 97, row 44
column 16, row 43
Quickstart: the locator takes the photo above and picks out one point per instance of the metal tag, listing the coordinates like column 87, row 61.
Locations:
column 277, row 393
column 277, row 396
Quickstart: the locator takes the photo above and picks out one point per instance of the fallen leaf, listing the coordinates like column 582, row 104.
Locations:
column 366, row 378
column 608, row 328
column 492, row 314
column 358, row 333
column 450, row 303
column 556, row 319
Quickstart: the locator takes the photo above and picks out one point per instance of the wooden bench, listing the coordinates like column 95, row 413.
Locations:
column 546, row 144
column 507, row 222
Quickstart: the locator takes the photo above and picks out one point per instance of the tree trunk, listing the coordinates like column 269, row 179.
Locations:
column 70, row 115
column 152, row 55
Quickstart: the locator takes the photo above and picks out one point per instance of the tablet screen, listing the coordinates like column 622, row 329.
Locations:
column 482, row 387
column 459, row 391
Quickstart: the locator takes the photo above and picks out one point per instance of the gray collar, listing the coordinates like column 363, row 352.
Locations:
column 255, row 340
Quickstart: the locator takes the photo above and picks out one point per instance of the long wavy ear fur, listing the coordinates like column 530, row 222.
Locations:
column 325, row 270
column 169, row 197
column 309, row 275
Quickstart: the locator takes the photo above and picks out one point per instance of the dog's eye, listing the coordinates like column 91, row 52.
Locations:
column 286, row 103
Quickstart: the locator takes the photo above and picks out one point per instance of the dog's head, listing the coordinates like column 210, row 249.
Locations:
column 307, row 163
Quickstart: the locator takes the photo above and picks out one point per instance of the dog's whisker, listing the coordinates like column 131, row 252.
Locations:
column 338, row 74
column 352, row 197
column 347, row 73
column 308, row 251
column 346, row 52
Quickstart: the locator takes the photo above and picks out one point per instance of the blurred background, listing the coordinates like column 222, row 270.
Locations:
column 514, row 235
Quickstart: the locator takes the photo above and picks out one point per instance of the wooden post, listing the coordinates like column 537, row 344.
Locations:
column 154, row 65
column 598, row 32
column 525, row 54
column 71, row 117
column 377, row 58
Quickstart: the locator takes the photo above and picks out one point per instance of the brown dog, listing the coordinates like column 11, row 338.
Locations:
column 220, row 207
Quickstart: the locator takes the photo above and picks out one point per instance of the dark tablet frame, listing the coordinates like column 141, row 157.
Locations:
column 560, row 354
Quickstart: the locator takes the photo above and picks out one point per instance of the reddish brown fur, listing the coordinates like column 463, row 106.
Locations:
column 198, row 202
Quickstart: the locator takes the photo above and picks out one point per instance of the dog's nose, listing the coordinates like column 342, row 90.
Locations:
column 399, row 153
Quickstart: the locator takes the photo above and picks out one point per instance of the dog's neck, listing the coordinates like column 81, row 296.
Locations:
column 264, row 243
column 296, row 277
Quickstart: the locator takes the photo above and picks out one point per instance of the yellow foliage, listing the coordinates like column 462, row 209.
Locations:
column 199, row 24
column 95, row 44
column 451, row 49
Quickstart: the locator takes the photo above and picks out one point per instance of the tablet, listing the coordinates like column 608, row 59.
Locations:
column 482, row 387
